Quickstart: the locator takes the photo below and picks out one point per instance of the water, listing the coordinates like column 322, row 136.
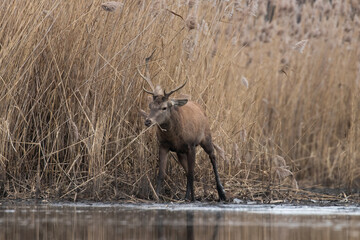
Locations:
column 177, row 221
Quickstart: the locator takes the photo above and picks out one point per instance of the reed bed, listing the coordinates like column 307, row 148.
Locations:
column 279, row 80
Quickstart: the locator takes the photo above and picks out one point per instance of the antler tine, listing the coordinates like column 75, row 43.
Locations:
column 148, row 91
column 148, row 81
column 176, row 89
column 147, row 77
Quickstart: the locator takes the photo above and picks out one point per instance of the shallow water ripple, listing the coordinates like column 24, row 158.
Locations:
column 177, row 221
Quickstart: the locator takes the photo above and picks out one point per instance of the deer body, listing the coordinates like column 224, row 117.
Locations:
column 185, row 129
column 187, row 126
column 181, row 126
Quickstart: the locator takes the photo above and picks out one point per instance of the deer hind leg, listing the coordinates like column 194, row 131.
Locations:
column 209, row 149
column 182, row 157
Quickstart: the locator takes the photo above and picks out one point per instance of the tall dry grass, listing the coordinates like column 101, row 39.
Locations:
column 280, row 87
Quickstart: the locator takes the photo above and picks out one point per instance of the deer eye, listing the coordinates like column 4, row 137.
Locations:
column 164, row 108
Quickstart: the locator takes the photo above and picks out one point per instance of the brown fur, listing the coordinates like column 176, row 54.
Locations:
column 182, row 125
column 188, row 125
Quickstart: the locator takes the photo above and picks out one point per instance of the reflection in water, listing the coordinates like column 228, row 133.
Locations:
column 190, row 225
column 72, row 221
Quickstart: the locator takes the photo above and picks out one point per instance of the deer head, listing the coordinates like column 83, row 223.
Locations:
column 161, row 105
column 161, row 109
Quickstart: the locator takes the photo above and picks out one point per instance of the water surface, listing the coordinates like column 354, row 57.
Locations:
column 177, row 221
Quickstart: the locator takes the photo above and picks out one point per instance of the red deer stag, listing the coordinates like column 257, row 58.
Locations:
column 181, row 126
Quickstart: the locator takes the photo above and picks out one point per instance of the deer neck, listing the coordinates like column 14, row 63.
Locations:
column 173, row 125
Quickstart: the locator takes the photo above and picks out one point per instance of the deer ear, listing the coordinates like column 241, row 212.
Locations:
column 179, row 102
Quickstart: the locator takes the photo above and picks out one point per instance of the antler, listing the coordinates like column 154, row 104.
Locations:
column 176, row 89
column 147, row 77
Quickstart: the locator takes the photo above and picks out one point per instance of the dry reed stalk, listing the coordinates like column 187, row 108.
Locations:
column 70, row 92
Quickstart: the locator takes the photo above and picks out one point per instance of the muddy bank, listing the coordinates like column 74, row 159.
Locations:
column 232, row 204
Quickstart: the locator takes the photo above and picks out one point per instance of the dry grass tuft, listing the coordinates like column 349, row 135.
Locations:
column 70, row 96
column 300, row 46
column 111, row 6
column 191, row 23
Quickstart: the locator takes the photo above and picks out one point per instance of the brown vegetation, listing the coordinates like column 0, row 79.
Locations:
column 280, row 86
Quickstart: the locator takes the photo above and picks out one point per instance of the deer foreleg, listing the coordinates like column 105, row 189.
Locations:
column 163, row 152
column 190, row 175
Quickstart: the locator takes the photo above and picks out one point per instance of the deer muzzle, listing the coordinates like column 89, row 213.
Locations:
column 148, row 122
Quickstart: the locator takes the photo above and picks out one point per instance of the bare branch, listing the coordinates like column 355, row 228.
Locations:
column 178, row 15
